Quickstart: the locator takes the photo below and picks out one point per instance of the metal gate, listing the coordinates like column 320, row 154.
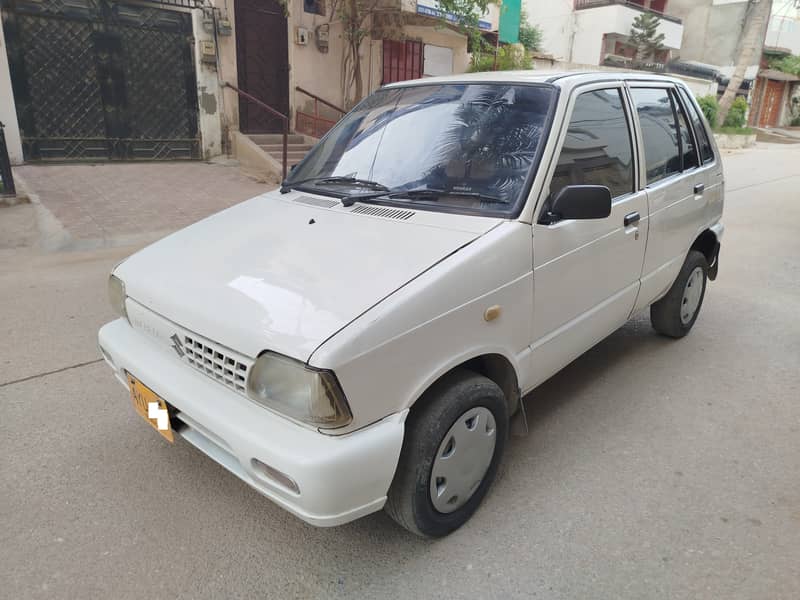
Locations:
column 402, row 60
column 100, row 80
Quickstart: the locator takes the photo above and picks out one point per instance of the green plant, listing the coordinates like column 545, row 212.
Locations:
column 644, row 36
column 509, row 58
column 737, row 114
column 787, row 64
column 734, row 130
column 710, row 107
column 796, row 122
column 530, row 36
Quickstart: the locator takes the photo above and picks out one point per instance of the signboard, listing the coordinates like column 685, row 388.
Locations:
column 509, row 21
column 430, row 8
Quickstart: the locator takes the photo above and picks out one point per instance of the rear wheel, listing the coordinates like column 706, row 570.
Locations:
column 452, row 448
column 675, row 314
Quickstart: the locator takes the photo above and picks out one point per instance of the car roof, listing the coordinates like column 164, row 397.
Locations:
column 558, row 78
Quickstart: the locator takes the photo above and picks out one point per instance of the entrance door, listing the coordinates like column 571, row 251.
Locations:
column 771, row 107
column 262, row 56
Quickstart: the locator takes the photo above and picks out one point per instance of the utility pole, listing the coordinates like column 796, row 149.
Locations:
column 754, row 32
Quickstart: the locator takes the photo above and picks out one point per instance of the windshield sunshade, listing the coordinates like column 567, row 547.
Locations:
column 471, row 145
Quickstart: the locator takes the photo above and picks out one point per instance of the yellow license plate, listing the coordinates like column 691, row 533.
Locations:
column 151, row 407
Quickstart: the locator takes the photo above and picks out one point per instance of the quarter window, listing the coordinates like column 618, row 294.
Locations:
column 706, row 153
column 597, row 149
column 659, row 132
column 687, row 139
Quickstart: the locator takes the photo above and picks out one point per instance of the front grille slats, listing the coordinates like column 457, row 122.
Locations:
column 215, row 361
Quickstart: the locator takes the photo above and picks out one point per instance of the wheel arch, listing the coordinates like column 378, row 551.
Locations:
column 495, row 367
column 707, row 243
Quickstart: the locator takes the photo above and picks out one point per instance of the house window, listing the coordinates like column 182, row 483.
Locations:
column 316, row 7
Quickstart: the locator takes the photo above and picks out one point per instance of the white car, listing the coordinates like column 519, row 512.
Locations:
column 359, row 339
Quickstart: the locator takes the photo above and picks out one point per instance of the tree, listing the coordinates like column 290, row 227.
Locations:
column 530, row 36
column 358, row 22
column 645, row 38
column 754, row 30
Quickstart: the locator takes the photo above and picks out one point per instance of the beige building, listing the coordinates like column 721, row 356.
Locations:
column 161, row 81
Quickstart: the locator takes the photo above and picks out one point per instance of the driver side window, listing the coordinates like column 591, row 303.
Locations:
column 597, row 149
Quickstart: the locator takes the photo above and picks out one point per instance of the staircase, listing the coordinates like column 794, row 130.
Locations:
column 272, row 144
column 261, row 154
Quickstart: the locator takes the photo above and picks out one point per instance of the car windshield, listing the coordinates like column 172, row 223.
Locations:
column 459, row 146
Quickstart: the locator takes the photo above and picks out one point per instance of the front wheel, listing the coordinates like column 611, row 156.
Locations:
column 452, row 448
column 675, row 314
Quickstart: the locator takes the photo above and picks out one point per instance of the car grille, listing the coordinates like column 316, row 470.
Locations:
column 226, row 366
column 215, row 361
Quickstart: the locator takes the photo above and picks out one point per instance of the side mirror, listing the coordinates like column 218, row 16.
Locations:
column 579, row 202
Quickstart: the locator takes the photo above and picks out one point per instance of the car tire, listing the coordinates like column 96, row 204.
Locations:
column 461, row 413
column 675, row 314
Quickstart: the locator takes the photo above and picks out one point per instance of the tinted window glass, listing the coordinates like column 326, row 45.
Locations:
column 687, row 139
column 597, row 148
column 469, row 146
column 706, row 152
column 659, row 131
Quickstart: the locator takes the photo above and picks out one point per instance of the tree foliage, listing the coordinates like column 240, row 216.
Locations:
column 645, row 38
column 787, row 64
column 710, row 107
column 512, row 57
column 737, row 114
column 530, row 36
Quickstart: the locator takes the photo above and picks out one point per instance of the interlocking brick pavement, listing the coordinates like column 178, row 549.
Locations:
column 110, row 200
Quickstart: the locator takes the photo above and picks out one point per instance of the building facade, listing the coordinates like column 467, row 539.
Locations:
column 157, row 79
column 596, row 32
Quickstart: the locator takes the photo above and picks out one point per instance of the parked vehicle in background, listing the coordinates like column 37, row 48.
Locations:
column 360, row 338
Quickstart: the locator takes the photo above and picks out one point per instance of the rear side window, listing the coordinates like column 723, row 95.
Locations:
column 706, row 153
column 597, row 149
column 687, row 139
column 659, row 132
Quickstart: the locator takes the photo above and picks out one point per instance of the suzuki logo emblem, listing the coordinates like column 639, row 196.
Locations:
column 176, row 344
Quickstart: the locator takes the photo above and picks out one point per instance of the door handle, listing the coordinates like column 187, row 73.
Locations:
column 631, row 219
column 699, row 188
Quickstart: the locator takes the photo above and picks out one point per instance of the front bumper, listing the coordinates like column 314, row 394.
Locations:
column 340, row 478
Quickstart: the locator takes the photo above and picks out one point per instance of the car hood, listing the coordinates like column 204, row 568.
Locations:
column 276, row 273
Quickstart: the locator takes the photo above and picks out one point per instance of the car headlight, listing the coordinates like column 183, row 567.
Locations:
column 116, row 296
column 289, row 387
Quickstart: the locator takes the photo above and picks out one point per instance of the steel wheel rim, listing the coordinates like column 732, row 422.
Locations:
column 462, row 460
column 691, row 295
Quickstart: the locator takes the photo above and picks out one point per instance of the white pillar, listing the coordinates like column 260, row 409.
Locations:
column 8, row 110
column 209, row 94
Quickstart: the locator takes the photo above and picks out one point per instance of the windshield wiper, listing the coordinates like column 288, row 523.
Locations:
column 335, row 180
column 419, row 193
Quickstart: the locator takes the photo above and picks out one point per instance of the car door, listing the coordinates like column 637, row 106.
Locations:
column 710, row 168
column 586, row 272
column 674, row 182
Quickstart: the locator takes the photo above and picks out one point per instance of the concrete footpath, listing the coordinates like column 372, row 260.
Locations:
column 654, row 468
column 110, row 204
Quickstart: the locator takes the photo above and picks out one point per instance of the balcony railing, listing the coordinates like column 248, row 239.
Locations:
column 584, row 4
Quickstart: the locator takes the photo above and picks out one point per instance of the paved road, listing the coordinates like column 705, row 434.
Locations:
column 654, row 469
